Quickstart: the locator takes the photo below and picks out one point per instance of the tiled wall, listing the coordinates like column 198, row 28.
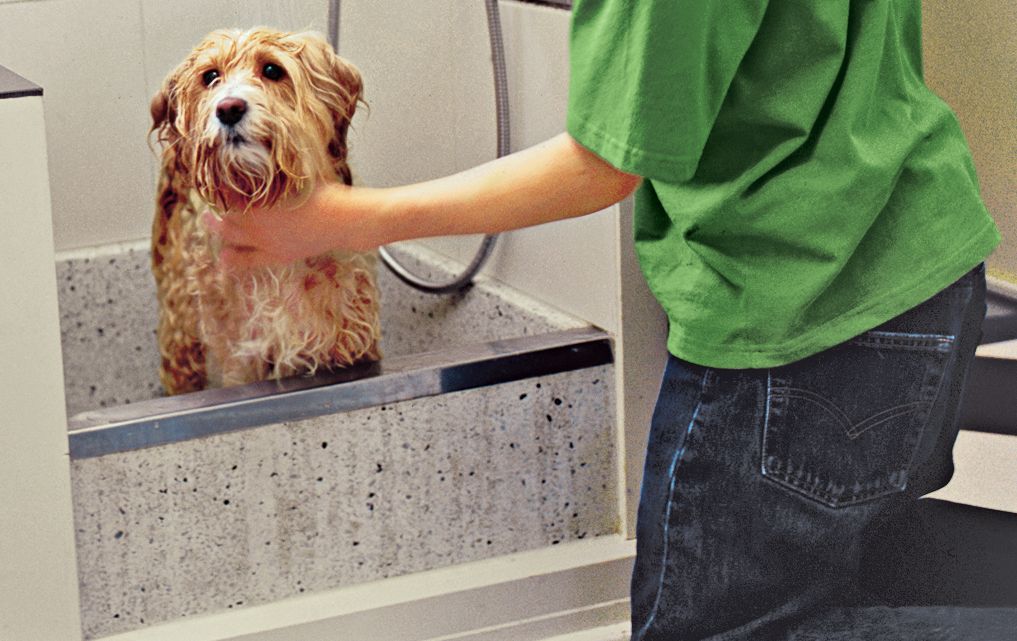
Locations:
column 99, row 62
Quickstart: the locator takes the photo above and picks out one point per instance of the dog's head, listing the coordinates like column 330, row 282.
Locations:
column 252, row 116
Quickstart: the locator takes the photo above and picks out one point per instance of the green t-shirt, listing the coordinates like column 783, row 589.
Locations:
column 803, row 185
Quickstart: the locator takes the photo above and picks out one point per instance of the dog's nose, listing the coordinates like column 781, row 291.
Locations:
column 230, row 111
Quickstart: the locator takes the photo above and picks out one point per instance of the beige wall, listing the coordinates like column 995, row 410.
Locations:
column 971, row 61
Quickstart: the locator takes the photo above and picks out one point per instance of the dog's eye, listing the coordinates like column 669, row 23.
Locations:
column 209, row 77
column 273, row 71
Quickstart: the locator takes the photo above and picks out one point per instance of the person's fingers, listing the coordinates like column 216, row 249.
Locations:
column 235, row 258
column 225, row 228
column 238, row 258
column 213, row 222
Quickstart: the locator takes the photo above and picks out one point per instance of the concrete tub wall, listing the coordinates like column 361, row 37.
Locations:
column 251, row 517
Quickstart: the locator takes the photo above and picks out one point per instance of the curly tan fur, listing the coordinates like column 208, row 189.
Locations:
column 221, row 329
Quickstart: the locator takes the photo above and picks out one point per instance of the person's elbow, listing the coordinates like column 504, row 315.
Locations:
column 614, row 186
column 625, row 184
column 608, row 184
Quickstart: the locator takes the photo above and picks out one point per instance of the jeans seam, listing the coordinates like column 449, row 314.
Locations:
column 950, row 361
column 672, row 474
column 905, row 341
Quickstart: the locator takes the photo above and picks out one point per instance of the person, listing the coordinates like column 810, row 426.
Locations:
column 808, row 216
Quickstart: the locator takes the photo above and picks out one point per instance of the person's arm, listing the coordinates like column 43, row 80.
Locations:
column 551, row 181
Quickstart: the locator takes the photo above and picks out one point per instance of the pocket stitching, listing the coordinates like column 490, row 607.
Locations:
column 851, row 430
column 903, row 341
column 820, row 400
column 886, row 415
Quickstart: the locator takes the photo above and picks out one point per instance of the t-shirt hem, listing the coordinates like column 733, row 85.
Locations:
column 844, row 327
column 629, row 158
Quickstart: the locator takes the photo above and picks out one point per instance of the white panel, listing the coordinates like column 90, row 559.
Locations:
column 640, row 357
column 570, row 264
column 86, row 56
column 38, row 586
column 536, row 44
column 427, row 81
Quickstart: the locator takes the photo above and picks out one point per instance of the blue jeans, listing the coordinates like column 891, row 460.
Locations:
column 763, row 489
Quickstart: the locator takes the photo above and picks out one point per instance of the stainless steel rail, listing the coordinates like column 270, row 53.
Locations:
column 179, row 418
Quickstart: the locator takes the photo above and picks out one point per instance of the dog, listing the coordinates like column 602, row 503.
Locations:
column 250, row 118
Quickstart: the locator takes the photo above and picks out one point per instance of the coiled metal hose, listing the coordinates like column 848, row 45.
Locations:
column 465, row 279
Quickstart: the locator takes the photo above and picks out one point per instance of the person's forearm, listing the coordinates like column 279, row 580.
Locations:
column 554, row 180
column 551, row 181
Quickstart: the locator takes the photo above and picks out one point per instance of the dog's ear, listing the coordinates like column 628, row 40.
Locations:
column 350, row 78
column 159, row 108
column 165, row 131
column 340, row 86
column 164, row 112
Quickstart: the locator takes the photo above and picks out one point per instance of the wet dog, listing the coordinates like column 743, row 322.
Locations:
column 251, row 118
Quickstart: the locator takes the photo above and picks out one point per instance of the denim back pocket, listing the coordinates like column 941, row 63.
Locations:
column 842, row 426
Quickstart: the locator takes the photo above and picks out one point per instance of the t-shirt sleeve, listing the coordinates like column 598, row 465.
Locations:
column 648, row 77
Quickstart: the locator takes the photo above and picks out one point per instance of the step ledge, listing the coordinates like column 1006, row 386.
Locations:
column 615, row 632
column 1003, row 350
column 535, row 595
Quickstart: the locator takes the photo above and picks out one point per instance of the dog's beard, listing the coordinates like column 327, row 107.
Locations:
column 231, row 173
column 249, row 165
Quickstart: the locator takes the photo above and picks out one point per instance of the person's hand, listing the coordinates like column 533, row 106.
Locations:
column 287, row 231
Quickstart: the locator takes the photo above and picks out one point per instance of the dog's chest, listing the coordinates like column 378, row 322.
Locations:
column 282, row 304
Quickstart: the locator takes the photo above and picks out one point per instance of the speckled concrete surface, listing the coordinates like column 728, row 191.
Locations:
column 415, row 322
column 108, row 315
column 263, row 514
column 108, row 318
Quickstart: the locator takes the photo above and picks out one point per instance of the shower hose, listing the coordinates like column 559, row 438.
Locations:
column 465, row 279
